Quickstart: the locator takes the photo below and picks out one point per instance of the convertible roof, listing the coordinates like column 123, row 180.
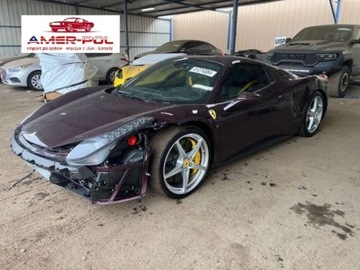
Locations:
column 156, row 8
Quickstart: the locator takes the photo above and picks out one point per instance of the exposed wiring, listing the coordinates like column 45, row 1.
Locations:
column 22, row 179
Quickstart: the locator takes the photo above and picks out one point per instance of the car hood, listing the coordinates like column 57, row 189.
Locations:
column 21, row 62
column 309, row 45
column 4, row 60
column 87, row 117
column 131, row 71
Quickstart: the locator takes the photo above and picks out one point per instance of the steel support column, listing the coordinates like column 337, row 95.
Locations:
column 335, row 6
column 233, row 26
column 127, row 46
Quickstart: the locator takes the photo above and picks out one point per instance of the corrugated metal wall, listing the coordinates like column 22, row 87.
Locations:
column 145, row 33
column 258, row 25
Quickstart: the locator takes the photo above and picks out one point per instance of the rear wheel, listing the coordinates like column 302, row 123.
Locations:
column 339, row 82
column 110, row 75
column 180, row 161
column 314, row 115
column 33, row 81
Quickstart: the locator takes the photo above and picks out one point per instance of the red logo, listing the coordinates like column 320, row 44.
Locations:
column 72, row 24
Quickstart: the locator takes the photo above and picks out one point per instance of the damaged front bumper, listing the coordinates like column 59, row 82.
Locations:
column 107, row 183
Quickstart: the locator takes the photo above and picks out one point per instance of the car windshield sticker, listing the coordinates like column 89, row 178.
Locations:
column 203, row 71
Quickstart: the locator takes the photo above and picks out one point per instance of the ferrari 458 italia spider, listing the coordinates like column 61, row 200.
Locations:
column 167, row 126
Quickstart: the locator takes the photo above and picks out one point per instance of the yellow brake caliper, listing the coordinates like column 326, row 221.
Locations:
column 197, row 157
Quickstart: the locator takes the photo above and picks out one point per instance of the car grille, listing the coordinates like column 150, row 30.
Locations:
column 306, row 59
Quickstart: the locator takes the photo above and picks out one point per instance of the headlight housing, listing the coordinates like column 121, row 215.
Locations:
column 95, row 150
column 327, row 56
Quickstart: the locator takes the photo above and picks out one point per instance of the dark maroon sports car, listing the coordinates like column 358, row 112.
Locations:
column 168, row 125
column 71, row 25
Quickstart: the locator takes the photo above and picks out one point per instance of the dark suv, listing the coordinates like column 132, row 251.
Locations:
column 333, row 50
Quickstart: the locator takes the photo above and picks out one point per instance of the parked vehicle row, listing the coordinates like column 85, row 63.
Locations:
column 25, row 71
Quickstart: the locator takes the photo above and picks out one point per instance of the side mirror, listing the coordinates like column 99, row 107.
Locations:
column 244, row 100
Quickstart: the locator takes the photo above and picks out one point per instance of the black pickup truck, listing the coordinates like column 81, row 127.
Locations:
column 333, row 50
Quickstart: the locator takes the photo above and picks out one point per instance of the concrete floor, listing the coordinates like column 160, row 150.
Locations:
column 294, row 206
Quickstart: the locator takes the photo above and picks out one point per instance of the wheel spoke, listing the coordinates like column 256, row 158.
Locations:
column 182, row 153
column 311, row 123
column 314, row 106
column 174, row 171
column 193, row 152
column 197, row 167
column 185, row 176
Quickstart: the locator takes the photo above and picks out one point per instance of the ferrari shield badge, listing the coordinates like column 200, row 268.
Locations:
column 212, row 114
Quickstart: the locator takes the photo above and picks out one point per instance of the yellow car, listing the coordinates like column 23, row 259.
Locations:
column 126, row 73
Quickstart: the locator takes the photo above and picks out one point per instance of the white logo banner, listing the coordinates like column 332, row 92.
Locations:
column 70, row 34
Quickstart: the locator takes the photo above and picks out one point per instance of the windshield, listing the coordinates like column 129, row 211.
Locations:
column 175, row 81
column 173, row 46
column 331, row 33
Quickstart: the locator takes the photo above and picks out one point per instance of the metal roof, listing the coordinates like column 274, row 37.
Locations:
column 156, row 8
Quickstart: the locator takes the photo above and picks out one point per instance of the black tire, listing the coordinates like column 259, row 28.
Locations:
column 339, row 82
column 110, row 75
column 189, row 163
column 313, row 115
column 69, row 28
column 33, row 81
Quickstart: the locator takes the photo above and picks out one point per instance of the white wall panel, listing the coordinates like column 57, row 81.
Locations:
column 208, row 26
column 258, row 25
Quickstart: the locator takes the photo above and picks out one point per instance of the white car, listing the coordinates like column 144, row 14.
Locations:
column 26, row 72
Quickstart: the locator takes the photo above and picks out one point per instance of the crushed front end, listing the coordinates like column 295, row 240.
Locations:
column 106, row 169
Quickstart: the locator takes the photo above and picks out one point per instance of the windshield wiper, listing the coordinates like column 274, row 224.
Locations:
column 134, row 96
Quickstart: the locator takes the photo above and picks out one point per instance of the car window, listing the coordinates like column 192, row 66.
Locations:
column 197, row 47
column 243, row 78
column 332, row 33
column 70, row 20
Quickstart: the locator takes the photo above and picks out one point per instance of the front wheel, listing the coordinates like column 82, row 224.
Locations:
column 180, row 161
column 110, row 75
column 339, row 82
column 314, row 115
column 33, row 81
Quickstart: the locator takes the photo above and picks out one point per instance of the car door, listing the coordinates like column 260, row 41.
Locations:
column 250, row 109
column 78, row 24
